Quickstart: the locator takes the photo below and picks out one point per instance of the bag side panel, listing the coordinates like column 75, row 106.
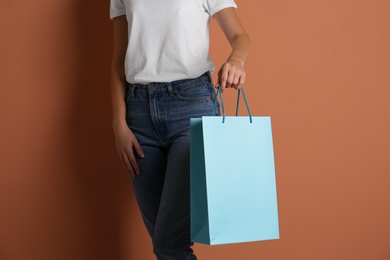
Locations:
column 198, row 191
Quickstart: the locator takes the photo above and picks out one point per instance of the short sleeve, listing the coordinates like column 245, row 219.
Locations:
column 214, row 6
column 117, row 8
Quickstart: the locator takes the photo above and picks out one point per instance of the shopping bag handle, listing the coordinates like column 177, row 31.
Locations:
column 219, row 91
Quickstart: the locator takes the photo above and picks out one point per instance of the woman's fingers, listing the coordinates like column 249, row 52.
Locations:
column 222, row 77
column 129, row 161
column 133, row 161
column 241, row 81
column 138, row 149
column 231, row 76
column 127, row 148
column 127, row 165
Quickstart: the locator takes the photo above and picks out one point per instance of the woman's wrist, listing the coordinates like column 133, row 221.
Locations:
column 234, row 59
column 118, row 122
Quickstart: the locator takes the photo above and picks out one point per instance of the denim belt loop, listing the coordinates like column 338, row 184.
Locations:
column 131, row 89
column 210, row 77
column 170, row 89
column 151, row 87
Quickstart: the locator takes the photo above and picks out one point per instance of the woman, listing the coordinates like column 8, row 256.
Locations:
column 160, row 79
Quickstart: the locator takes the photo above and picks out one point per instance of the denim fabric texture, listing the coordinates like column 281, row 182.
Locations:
column 159, row 115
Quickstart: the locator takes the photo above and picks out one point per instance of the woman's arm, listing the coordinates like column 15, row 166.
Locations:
column 232, row 73
column 118, row 79
column 124, row 137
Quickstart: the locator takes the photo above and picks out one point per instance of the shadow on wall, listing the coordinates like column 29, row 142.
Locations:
column 104, row 186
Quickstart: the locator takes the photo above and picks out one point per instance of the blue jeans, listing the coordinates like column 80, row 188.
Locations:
column 159, row 116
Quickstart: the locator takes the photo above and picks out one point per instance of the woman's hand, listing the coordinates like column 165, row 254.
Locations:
column 232, row 74
column 126, row 143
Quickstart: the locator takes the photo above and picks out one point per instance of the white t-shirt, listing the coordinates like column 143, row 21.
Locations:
column 168, row 40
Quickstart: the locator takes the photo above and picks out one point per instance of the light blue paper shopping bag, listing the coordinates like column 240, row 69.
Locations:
column 233, row 187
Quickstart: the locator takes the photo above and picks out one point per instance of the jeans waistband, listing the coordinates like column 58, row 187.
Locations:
column 204, row 77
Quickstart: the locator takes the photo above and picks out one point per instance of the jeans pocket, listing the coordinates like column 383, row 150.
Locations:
column 194, row 91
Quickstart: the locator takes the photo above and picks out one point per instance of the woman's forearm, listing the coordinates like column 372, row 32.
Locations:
column 118, row 95
column 118, row 78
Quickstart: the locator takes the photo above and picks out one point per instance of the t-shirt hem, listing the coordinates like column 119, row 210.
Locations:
column 114, row 13
column 222, row 6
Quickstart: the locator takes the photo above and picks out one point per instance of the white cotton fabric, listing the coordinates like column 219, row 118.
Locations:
column 168, row 40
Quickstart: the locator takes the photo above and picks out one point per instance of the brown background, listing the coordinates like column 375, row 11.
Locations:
column 320, row 69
